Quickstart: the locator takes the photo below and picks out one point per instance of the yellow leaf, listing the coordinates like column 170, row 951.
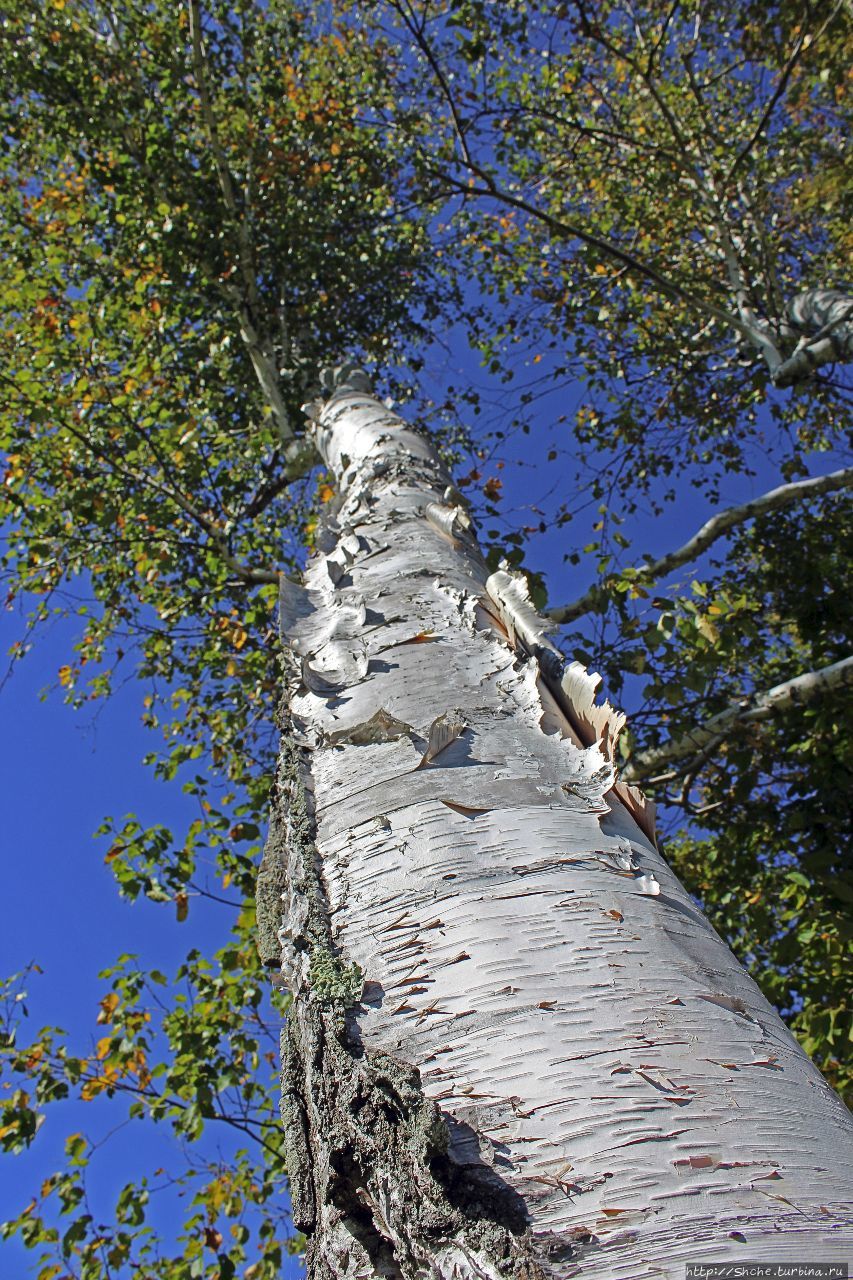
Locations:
column 109, row 1004
column 326, row 493
column 64, row 675
column 103, row 1047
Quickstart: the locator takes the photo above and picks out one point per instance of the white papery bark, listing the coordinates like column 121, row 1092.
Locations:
column 547, row 1063
column 823, row 319
column 819, row 321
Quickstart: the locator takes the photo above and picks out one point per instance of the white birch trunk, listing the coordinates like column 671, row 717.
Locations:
column 547, row 1063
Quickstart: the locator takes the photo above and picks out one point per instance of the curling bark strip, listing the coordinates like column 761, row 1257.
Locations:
column 517, row 1047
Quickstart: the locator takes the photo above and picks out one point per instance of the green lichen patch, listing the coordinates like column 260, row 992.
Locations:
column 333, row 982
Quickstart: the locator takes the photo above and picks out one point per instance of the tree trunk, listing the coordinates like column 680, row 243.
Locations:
column 516, row 1047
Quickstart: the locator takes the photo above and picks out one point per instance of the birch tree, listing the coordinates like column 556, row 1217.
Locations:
column 202, row 204
column 194, row 213
column 517, row 1047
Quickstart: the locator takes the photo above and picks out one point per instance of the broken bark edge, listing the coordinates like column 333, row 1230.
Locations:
column 573, row 687
column 372, row 1182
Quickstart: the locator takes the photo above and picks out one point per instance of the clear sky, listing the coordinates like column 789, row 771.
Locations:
column 62, row 772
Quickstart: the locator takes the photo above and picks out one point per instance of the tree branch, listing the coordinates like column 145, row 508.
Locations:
column 571, row 231
column 217, row 535
column 804, row 41
column 565, row 230
column 758, row 334
column 417, row 33
column 249, row 304
column 595, row 599
column 832, row 312
column 757, row 706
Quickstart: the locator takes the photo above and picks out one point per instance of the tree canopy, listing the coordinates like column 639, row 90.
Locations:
column 640, row 212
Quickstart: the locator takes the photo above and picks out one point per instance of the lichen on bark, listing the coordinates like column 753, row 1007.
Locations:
column 368, row 1156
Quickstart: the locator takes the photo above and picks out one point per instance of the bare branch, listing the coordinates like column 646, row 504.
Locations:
column 595, row 599
column 754, row 707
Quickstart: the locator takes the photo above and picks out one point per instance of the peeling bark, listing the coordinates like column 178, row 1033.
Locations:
column 516, row 1047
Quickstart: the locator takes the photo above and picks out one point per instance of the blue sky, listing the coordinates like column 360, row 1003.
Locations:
column 62, row 772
